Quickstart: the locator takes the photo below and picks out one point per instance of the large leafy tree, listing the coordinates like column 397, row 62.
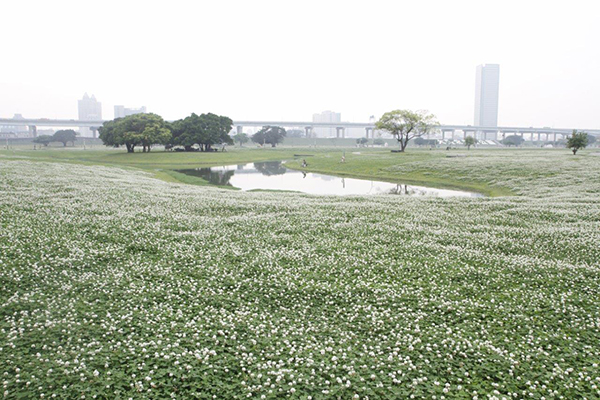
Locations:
column 65, row 136
column 578, row 140
column 513, row 140
column 405, row 125
column 272, row 135
column 144, row 130
column 43, row 139
column 204, row 130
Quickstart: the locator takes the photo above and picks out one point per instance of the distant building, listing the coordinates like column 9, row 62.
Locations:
column 90, row 109
column 326, row 116
column 486, row 94
column 122, row 111
column 14, row 130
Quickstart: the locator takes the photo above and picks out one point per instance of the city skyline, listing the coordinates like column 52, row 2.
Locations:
column 372, row 63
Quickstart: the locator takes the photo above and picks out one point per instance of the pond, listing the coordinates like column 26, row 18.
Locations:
column 273, row 175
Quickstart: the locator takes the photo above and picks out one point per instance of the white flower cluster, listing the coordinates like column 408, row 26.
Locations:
column 115, row 285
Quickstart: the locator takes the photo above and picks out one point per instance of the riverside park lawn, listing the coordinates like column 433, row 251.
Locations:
column 114, row 284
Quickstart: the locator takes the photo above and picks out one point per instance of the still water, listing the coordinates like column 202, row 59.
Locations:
column 273, row 175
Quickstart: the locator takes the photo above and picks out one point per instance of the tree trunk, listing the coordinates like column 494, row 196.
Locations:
column 574, row 151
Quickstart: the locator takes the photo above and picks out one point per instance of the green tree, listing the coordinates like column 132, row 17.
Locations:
column 272, row 135
column 65, row 136
column 362, row 141
column 513, row 140
column 241, row 138
column 470, row 141
column 591, row 139
column 379, row 142
column 43, row 139
column 204, row 130
column 578, row 140
column 145, row 129
column 405, row 125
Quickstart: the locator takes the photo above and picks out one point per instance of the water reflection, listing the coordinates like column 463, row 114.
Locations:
column 273, row 175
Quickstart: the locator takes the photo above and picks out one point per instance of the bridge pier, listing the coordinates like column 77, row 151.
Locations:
column 367, row 130
column 94, row 130
column 340, row 129
column 309, row 131
column 239, row 129
column 32, row 131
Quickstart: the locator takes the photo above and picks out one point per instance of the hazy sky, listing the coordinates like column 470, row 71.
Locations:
column 287, row 60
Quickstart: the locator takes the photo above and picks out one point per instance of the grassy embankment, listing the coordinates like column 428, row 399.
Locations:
column 435, row 168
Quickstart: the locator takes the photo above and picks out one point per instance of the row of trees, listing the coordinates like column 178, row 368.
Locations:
column 63, row 136
column 272, row 135
column 149, row 129
column 207, row 130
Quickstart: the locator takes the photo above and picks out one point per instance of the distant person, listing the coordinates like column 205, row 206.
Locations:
column 343, row 159
column 304, row 164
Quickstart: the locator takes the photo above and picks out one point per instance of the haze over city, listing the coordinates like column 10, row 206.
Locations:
column 286, row 61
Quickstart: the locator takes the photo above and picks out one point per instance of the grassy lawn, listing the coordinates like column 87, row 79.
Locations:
column 116, row 285
column 454, row 169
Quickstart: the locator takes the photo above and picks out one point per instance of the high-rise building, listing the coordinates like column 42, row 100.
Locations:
column 122, row 111
column 90, row 109
column 486, row 94
column 326, row 116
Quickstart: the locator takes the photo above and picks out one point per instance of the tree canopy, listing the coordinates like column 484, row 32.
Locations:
column 578, row 140
column 513, row 140
column 241, row 138
column 470, row 141
column 43, row 139
column 65, row 136
column 205, row 130
column 272, row 135
column 145, row 129
column 362, row 141
column 405, row 125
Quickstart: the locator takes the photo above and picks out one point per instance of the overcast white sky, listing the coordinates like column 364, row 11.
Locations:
column 287, row 60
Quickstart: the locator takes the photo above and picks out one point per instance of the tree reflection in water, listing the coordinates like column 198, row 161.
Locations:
column 270, row 168
column 407, row 191
column 220, row 178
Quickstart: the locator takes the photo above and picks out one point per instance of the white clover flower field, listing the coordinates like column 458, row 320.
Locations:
column 117, row 285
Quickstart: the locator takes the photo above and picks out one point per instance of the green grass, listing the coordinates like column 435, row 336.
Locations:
column 417, row 166
column 117, row 285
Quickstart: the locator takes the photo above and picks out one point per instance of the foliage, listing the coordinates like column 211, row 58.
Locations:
column 470, row 141
column 362, row 141
column 65, row 136
column 241, row 138
column 405, row 125
column 205, row 130
column 44, row 139
column 145, row 129
column 269, row 135
column 378, row 142
column 513, row 140
column 577, row 141
column 116, row 285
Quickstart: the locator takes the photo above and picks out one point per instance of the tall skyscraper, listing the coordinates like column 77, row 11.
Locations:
column 122, row 111
column 326, row 116
column 486, row 94
column 90, row 109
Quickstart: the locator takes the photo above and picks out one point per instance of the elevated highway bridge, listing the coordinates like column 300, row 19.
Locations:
column 451, row 130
